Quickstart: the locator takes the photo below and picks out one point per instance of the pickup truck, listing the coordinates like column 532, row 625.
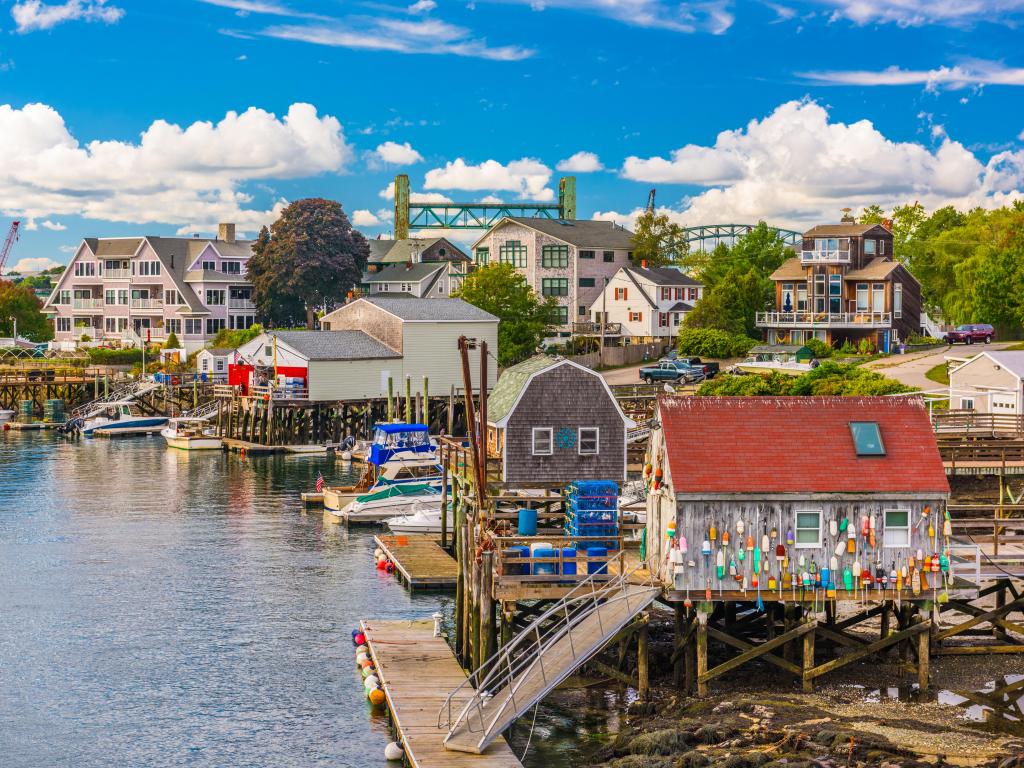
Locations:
column 668, row 370
column 970, row 333
column 710, row 369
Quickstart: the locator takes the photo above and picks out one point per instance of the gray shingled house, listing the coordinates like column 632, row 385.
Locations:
column 552, row 421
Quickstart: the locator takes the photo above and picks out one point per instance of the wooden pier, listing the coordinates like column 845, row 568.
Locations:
column 417, row 672
column 420, row 561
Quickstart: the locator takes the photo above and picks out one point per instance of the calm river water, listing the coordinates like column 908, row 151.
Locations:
column 159, row 608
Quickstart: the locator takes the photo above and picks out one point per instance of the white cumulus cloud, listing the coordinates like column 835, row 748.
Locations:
column 33, row 264
column 796, row 166
column 422, row 6
column 581, row 162
column 388, row 193
column 365, row 218
column 393, row 153
column 527, row 178
column 192, row 176
column 32, row 15
column 54, row 226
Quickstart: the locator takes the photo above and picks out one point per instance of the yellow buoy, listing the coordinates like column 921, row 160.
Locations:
column 376, row 697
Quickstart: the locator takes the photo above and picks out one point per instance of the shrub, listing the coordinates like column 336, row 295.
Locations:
column 85, row 337
column 916, row 338
column 711, row 342
column 829, row 378
column 105, row 356
column 847, row 348
column 866, row 346
column 820, row 349
column 172, row 342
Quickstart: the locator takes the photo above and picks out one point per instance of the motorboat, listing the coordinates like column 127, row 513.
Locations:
column 399, row 455
column 6, row 414
column 422, row 519
column 633, row 502
column 117, row 417
column 384, row 502
column 191, row 434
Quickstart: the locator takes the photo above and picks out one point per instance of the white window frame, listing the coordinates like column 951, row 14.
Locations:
column 597, row 441
column 550, row 441
column 796, row 529
column 966, row 403
column 897, row 300
column 886, row 527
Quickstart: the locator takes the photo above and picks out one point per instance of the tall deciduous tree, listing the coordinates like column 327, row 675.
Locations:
column 19, row 302
column 658, row 241
column 873, row 214
column 309, row 257
column 524, row 317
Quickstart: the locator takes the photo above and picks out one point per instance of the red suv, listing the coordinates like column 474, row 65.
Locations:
column 968, row 334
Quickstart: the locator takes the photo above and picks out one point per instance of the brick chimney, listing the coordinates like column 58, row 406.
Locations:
column 887, row 223
column 226, row 233
column 643, row 264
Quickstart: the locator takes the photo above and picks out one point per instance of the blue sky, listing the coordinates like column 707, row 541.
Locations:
column 162, row 116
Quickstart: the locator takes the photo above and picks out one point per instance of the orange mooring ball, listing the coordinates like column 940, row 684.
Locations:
column 366, row 663
column 376, row 697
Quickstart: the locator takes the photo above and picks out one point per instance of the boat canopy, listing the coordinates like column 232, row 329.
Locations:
column 392, row 491
column 389, row 439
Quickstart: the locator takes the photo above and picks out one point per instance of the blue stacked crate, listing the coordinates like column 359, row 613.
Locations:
column 593, row 511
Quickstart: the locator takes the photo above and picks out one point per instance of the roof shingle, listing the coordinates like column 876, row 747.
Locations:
column 430, row 310
column 758, row 445
column 583, row 233
column 335, row 345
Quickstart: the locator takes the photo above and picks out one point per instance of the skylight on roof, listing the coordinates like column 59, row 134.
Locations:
column 867, row 438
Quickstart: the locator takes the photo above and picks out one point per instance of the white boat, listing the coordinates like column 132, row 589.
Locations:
column 190, row 434
column 119, row 416
column 422, row 519
column 633, row 502
column 6, row 415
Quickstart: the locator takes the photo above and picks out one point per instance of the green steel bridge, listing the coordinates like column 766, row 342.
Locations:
column 456, row 216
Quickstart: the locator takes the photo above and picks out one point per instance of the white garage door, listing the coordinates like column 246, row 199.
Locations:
column 1004, row 404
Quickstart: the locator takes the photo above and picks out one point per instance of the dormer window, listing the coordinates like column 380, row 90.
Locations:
column 867, row 439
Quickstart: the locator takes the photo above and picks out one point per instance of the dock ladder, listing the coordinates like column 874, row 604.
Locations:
column 552, row 647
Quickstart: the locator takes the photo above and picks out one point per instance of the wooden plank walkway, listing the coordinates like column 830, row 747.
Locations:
column 418, row 671
column 419, row 560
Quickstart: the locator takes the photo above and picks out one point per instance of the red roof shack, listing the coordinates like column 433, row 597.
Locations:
column 833, row 480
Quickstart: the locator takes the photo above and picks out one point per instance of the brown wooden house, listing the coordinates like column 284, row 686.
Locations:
column 551, row 421
column 844, row 285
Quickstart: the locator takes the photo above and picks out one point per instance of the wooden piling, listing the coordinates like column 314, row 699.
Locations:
column 808, row 661
column 680, row 633
column 702, row 653
column 642, row 668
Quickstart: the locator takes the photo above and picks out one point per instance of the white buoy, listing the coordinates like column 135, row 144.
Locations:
column 361, row 649
column 394, row 751
column 371, row 682
column 361, row 657
column 346, row 455
column 378, row 552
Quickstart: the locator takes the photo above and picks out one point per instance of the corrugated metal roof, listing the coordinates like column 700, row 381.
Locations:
column 801, row 445
column 334, row 345
column 583, row 233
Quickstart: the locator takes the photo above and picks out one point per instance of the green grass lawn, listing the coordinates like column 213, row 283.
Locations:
column 938, row 374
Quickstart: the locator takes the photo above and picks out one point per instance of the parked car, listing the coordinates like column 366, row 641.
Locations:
column 970, row 333
column 710, row 369
column 671, row 371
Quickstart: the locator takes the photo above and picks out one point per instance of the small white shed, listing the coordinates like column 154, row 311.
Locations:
column 213, row 363
column 991, row 382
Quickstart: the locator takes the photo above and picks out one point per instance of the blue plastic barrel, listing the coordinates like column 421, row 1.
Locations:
column 569, row 561
column 527, row 522
column 511, row 554
column 545, row 569
column 601, row 567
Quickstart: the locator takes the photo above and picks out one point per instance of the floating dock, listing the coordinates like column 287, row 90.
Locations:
column 417, row 672
column 419, row 560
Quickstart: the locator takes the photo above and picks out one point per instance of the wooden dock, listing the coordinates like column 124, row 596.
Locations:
column 417, row 672
column 419, row 560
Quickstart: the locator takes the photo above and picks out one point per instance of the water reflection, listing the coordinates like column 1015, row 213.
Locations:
column 999, row 703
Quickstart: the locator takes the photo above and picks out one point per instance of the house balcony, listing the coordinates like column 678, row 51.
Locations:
column 248, row 304
column 590, row 328
column 825, row 256
column 87, row 303
column 117, row 274
column 147, row 304
column 824, row 320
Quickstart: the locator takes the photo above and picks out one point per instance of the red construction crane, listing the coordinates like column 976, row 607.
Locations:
column 12, row 236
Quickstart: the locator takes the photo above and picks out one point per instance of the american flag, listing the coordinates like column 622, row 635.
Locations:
column 319, row 482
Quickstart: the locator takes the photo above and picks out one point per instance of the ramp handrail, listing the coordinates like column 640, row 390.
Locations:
column 127, row 392
column 501, row 671
column 204, row 411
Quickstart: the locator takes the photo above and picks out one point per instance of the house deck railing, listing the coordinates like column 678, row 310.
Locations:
column 830, row 256
column 590, row 328
column 824, row 319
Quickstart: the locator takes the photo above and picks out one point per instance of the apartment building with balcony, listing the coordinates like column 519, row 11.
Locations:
column 567, row 259
column 845, row 284
column 133, row 289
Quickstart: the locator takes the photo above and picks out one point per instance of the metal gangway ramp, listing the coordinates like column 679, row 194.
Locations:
column 128, row 392
column 551, row 648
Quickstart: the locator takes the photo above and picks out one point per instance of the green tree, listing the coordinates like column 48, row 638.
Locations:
column 761, row 249
column 873, row 214
column 227, row 338
column 525, row 318
column 311, row 256
column 905, row 221
column 19, row 303
column 172, row 342
column 658, row 241
column 38, row 282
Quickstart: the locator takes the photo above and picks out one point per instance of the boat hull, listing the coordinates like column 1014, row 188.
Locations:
column 126, row 427
column 184, row 443
column 374, row 513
